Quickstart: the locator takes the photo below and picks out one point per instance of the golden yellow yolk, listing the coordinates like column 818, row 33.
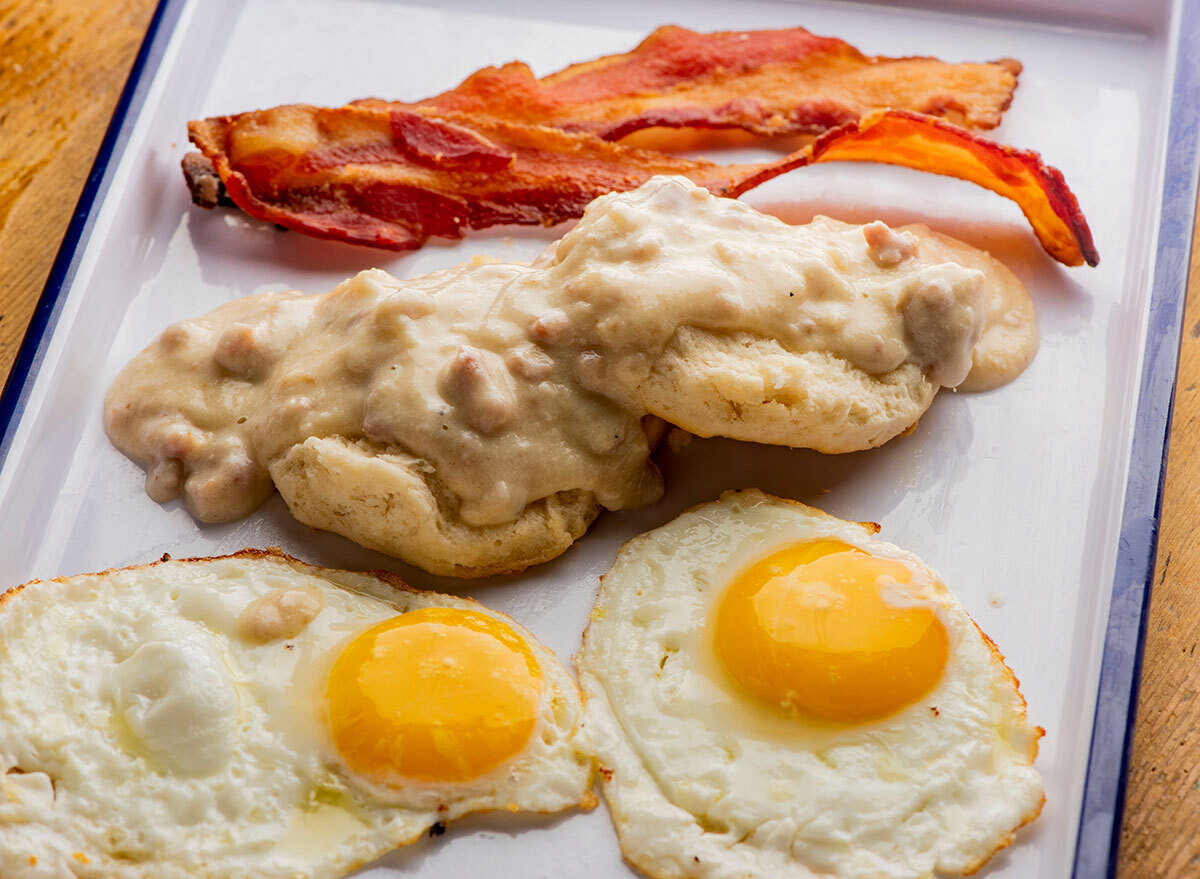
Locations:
column 438, row 694
column 807, row 629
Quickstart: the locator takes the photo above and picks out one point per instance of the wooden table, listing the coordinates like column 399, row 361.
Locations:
column 62, row 65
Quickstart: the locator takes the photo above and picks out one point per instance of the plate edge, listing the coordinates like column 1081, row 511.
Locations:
column 1105, row 779
column 37, row 335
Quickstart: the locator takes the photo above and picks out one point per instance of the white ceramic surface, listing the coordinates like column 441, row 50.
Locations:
column 1014, row 495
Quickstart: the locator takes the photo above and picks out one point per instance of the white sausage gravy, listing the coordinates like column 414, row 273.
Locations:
column 512, row 382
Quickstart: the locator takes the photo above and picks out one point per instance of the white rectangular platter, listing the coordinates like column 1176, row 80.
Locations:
column 1014, row 496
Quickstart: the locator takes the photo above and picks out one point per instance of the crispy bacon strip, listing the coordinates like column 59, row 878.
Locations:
column 392, row 177
column 900, row 138
column 772, row 82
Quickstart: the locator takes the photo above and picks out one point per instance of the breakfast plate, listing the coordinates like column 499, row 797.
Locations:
column 1037, row 502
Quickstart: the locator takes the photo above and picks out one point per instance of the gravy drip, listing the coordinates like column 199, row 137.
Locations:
column 512, row 382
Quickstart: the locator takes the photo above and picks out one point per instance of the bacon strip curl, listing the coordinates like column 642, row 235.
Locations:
column 897, row 137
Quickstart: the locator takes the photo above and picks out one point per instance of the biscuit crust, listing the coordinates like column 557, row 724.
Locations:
column 750, row 388
column 391, row 503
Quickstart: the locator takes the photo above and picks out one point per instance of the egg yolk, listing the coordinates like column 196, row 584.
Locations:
column 809, row 629
column 438, row 694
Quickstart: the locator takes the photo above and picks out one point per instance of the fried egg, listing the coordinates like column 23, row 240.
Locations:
column 255, row 716
column 773, row 692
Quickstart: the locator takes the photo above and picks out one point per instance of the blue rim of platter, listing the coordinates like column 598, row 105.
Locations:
column 1124, row 643
column 1116, row 703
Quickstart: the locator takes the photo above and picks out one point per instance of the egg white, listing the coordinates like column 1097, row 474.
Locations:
column 140, row 736
column 704, row 780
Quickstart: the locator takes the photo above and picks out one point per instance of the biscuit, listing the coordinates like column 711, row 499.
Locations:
column 749, row 388
column 389, row 502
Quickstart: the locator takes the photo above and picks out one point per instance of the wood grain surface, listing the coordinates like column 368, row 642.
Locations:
column 62, row 66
